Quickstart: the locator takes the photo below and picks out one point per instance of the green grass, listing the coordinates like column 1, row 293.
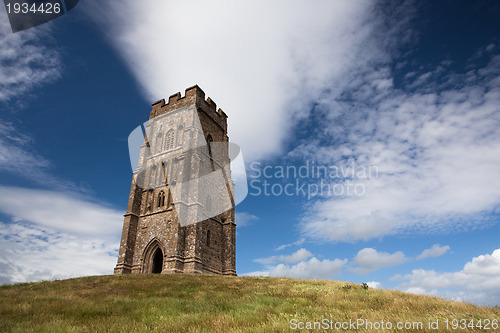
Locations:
column 205, row 303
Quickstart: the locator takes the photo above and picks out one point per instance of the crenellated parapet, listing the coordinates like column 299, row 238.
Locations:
column 193, row 96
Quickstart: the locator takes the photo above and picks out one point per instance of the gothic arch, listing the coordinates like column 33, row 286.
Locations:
column 210, row 140
column 169, row 140
column 161, row 199
column 209, row 145
column 153, row 257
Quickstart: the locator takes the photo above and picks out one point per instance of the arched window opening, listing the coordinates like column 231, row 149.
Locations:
column 169, row 140
column 157, row 262
column 164, row 173
column 209, row 144
column 161, row 199
column 208, row 237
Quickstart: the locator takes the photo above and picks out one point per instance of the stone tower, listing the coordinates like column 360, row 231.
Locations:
column 180, row 212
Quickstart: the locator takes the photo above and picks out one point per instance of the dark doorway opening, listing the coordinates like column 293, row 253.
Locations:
column 157, row 262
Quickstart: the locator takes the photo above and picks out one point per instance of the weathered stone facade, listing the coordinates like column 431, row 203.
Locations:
column 153, row 239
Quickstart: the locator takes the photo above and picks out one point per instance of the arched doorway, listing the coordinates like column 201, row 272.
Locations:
column 153, row 261
column 157, row 266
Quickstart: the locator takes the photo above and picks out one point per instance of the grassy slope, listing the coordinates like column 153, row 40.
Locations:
column 199, row 303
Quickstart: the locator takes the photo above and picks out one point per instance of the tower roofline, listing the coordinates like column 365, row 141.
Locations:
column 193, row 95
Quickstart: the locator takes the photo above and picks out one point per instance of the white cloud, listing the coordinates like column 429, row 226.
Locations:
column 61, row 211
column 284, row 246
column 256, row 273
column 310, row 269
column 33, row 253
column 305, row 266
column 264, row 62
column 436, row 150
column 14, row 156
column 26, row 60
column 374, row 284
column 244, row 219
column 434, row 251
column 368, row 260
column 478, row 282
column 299, row 255
column 55, row 235
column 486, row 265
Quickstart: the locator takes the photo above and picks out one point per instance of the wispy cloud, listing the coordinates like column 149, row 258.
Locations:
column 299, row 255
column 244, row 219
column 300, row 265
column 55, row 233
column 17, row 156
column 265, row 63
column 368, row 260
column 61, row 211
column 14, row 152
column 26, row 61
column 33, row 252
column 435, row 251
column 297, row 242
column 310, row 269
column 437, row 155
column 478, row 282
column 365, row 261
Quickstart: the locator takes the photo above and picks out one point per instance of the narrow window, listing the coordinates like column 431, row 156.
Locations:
column 164, row 173
column 169, row 140
column 209, row 144
column 161, row 199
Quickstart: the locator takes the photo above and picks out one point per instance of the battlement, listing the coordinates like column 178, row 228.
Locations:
column 193, row 96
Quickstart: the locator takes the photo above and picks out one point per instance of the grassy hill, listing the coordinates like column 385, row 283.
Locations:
column 202, row 303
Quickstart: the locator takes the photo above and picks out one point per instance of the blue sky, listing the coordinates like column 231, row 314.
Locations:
column 410, row 89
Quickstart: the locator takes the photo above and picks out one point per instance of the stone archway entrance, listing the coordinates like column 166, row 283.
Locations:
column 157, row 264
column 153, row 258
